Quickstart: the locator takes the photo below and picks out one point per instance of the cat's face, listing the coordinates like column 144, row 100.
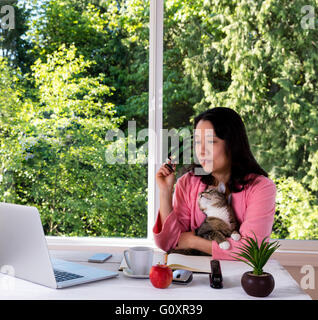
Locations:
column 212, row 197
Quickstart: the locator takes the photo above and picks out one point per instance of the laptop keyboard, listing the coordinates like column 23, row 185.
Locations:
column 64, row 276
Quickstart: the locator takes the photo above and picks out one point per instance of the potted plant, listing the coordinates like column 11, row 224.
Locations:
column 256, row 283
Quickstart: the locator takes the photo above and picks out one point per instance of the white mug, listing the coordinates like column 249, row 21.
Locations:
column 139, row 259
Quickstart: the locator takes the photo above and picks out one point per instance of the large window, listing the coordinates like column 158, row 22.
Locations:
column 75, row 103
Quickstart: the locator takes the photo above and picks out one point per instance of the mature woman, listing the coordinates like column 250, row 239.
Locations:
column 223, row 157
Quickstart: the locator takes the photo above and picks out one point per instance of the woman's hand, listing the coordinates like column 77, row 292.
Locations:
column 165, row 177
column 186, row 240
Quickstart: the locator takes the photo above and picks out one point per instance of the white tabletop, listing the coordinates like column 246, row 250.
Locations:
column 124, row 288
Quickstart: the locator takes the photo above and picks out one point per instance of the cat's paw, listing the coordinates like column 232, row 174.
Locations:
column 236, row 236
column 225, row 245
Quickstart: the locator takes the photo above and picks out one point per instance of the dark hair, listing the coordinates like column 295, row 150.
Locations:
column 229, row 126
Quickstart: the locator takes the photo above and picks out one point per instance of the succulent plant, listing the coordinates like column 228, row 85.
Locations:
column 255, row 255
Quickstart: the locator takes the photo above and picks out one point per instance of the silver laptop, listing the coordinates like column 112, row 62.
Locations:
column 24, row 250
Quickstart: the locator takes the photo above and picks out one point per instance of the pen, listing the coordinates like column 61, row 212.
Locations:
column 171, row 155
column 166, row 258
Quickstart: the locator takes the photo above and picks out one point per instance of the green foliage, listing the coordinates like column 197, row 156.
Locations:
column 114, row 36
column 255, row 255
column 13, row 45
column 53, row 154
column 296, row 211
column 269, row 65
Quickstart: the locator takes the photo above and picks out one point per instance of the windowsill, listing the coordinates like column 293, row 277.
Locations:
column 287, row 246
column 297, row 245
column 297, row 252
column 92, row 243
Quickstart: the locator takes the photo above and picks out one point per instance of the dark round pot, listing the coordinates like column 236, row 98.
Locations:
column 257, row 286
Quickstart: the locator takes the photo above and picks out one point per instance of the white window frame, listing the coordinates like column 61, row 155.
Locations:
column 154, row 142
column 298, row 248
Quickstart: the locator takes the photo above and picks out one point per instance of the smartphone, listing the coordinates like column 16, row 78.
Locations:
column 99, row 257
column 181, row 276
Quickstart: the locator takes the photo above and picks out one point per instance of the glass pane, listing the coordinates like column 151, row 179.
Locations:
column 260, row 61
column 72, row 73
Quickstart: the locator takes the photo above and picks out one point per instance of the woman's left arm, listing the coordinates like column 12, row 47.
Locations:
column 188, row 240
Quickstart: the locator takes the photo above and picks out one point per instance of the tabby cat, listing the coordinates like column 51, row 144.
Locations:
column 220, row 221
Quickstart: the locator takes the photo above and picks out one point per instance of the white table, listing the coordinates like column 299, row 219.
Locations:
column 123, row 288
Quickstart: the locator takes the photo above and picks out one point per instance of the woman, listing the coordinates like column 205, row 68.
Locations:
column 224, row 157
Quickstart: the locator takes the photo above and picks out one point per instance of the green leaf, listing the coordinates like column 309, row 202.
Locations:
column 254, row 255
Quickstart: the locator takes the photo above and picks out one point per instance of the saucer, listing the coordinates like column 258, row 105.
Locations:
column 128, row 273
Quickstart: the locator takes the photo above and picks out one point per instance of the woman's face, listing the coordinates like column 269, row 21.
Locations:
column 209, row 149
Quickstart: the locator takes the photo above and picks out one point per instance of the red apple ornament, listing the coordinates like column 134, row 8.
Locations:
column 160, row 276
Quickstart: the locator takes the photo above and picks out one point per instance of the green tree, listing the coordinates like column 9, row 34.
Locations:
column 55, row 153
column 13, row 44
column 11, row 93
column 296, row 211
column 273, row 65
column 92, row 30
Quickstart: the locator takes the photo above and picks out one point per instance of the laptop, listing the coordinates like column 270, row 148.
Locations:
column 23, row 248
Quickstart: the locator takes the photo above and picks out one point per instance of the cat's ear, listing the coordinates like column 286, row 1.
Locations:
column 209, row 188
column 221, row 187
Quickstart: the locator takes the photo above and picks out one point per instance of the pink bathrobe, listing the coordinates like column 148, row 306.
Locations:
column 254, row 208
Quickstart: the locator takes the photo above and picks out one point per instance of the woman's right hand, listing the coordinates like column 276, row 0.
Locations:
column 165, row 177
